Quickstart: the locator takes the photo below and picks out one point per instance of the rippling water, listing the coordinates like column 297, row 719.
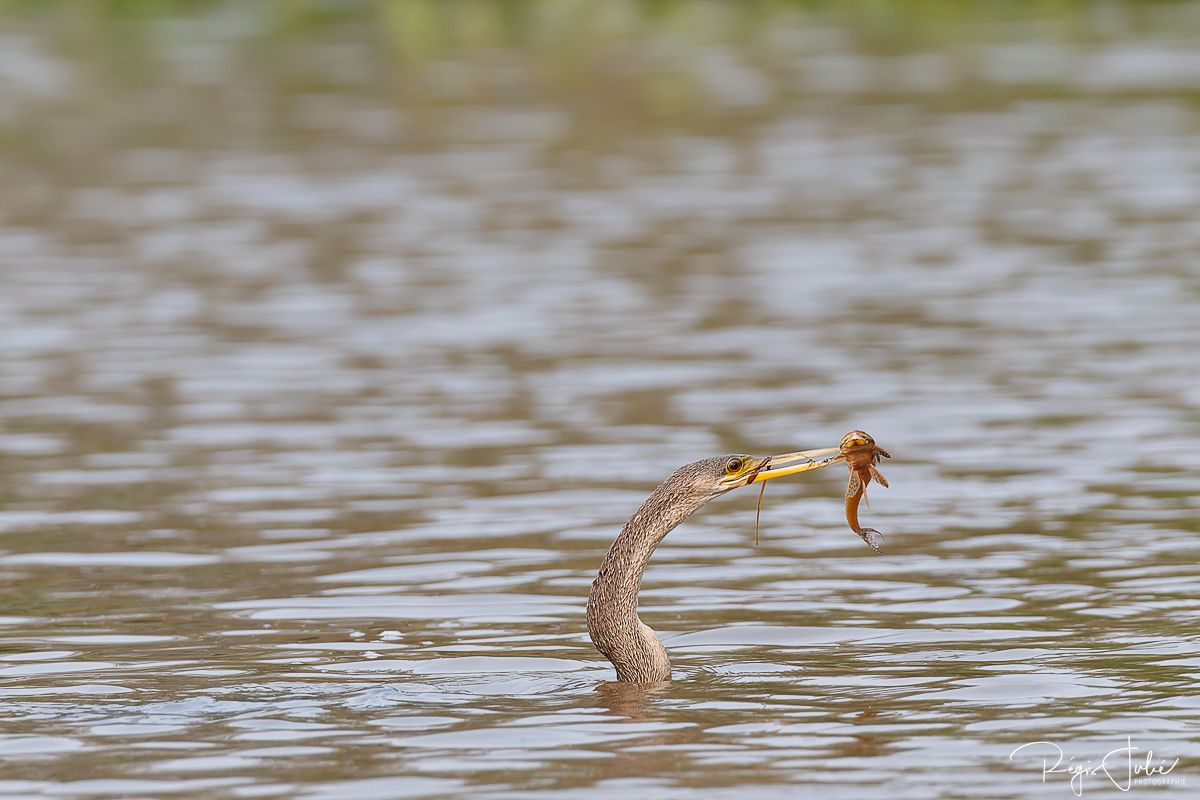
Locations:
column 333, row 363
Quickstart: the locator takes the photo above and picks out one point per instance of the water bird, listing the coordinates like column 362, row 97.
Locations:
column 612, row 620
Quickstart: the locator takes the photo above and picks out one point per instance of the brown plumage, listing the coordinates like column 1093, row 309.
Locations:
column 613, row 624
column 612, row 618
column 626, row 641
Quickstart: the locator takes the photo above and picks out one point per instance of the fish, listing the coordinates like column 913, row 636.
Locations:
column 861, row 454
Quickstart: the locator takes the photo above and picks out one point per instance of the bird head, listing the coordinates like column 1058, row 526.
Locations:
column 712, row 477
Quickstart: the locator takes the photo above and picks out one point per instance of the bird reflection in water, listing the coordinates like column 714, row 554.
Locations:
column 630, row 700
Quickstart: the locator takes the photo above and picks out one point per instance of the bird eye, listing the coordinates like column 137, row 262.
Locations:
column 734, row 465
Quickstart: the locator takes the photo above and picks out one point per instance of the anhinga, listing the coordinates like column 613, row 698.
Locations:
column 613, row 624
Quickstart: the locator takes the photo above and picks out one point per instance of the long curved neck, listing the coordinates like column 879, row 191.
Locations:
column 612, row 618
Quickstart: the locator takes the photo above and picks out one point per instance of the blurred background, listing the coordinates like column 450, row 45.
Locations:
column 339, row 340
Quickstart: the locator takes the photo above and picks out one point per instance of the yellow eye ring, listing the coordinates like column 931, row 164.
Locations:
column 735, row 465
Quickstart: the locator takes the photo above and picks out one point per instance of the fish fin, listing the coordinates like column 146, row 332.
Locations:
column 873, row 538
column 878, row 476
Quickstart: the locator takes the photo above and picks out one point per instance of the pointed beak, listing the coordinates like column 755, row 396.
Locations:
column 792, row 463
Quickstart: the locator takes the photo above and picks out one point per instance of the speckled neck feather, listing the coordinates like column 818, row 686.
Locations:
column 613, row 624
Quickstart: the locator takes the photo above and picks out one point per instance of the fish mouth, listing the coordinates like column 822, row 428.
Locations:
column 856, row 440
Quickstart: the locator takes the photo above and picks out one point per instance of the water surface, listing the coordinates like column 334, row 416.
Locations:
column 338, row 348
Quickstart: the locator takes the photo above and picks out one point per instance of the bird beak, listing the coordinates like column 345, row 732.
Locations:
column 791, row 463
